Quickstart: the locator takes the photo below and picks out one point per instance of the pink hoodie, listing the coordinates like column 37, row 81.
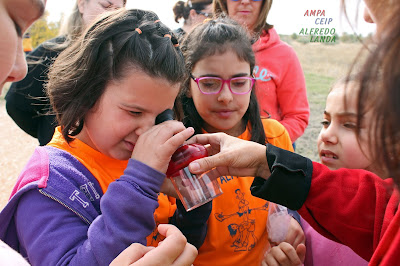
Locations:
column 281, row 88
column 323, row 251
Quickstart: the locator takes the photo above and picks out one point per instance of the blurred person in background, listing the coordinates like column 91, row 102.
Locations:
column 193, row 12
column 280, row 87
column 26, row 101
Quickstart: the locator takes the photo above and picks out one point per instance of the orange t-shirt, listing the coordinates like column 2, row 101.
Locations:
column 106, row 170
column 237, row 233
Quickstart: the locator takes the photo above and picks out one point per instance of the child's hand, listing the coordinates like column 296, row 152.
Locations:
column 156, row 146
column 168, row 188
column 131, row 254
column 291, row 251
column 285, row 254
column 295, row 234
column 173, row 250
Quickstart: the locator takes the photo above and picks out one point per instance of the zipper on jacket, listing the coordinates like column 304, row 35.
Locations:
column 62, row 203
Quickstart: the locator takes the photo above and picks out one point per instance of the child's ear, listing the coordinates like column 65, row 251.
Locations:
column 192, row 13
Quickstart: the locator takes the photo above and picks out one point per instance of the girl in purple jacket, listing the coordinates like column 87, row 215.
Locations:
column 93, row 190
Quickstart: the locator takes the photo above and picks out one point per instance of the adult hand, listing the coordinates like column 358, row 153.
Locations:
column 285, row 254
column 156, row 146
column 230, row 156
column 173, row 250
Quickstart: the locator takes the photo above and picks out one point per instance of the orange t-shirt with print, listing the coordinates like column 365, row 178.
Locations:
column 237, row 233
column 106, row 170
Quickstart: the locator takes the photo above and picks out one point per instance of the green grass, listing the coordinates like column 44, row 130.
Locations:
column 317, row 88
column 318, row 85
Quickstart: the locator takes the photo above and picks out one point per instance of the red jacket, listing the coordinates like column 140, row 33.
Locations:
column 280, row 87
column 350, row 206
column 365, row 212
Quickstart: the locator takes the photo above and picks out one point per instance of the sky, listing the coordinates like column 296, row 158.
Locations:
column 287, row 16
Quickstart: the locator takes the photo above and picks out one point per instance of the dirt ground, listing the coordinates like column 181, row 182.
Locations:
column 15, row 149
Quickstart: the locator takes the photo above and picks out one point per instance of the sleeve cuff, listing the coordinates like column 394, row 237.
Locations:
column 290, row 179
column 295, row 215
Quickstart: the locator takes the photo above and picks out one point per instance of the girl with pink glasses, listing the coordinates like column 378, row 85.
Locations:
column 219, row 96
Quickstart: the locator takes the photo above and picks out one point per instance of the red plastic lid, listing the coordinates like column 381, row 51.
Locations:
column 185, row 155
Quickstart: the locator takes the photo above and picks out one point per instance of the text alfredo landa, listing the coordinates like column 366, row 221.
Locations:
column 319, row 34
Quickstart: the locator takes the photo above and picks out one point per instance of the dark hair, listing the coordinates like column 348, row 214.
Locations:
column 379, row 79
column 115, row 42
column 216, row 37
column 182, row 9
column 221, row 7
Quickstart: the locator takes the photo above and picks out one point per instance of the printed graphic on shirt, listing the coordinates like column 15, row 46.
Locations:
column 155, row 236
column 243, row 230
column 96, row 194
column 161, row 216
column 75, row 196
column 85, row 189
column 225, row 179
column 263, row 74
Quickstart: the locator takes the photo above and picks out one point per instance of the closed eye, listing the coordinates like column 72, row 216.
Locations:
column 350, row 125
column 106, row 5
column 238, row 83
column 208, row 84
column 134, row 113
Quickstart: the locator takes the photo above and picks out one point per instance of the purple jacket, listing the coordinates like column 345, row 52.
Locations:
column 58, row 214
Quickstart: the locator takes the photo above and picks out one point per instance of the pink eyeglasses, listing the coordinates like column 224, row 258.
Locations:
column 214, row 85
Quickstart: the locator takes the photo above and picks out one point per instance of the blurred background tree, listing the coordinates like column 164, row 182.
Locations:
column 43, row 30
column 351, row 38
